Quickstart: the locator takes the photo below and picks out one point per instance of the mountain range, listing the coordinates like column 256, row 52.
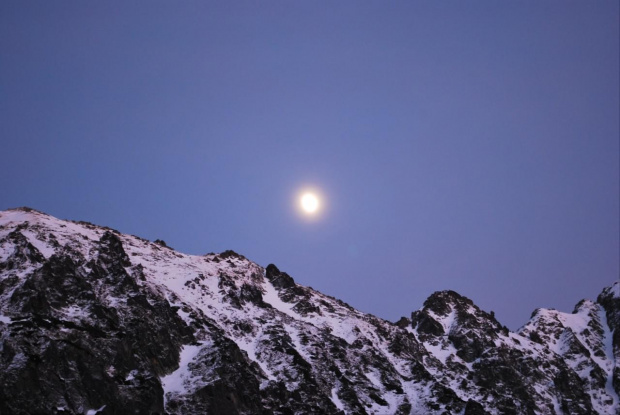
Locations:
column 93, row 321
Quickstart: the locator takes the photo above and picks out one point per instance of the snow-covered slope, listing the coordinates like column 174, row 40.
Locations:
column 584, row 340
column 94, row 320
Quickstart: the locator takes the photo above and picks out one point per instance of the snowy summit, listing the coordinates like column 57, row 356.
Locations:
column 93, row 321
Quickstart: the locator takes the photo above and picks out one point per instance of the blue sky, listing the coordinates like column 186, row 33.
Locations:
column 471, row 146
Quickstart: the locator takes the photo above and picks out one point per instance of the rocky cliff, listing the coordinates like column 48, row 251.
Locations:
column 93, row 321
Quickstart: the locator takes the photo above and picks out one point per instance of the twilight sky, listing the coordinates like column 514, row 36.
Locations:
column 471, row 146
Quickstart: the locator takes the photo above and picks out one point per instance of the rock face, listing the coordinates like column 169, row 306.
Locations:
column 94, row 321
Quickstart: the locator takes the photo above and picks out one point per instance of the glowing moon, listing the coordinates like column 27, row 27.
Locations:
column 309, row 203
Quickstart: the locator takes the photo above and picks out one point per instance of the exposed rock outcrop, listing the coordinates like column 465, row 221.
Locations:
column 95, row 321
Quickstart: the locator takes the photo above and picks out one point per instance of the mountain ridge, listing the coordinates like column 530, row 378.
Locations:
column 133, row 326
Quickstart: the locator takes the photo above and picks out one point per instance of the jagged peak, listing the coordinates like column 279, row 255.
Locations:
column 25, row 217
column 438, row 300
column 585, row 305
column 26, row 209
column 22, row 216
column 613, row 291
column 551, row 324
column 609, row 299
column 445, row 303
column 448, row 313
column 544, row 314
column 230, row 316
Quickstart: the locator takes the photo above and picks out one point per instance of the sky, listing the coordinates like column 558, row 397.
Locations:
column 471, row 146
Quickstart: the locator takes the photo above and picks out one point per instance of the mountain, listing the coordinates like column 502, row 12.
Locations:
column 93, row 321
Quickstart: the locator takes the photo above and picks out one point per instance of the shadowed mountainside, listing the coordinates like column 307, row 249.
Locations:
column 95, row 321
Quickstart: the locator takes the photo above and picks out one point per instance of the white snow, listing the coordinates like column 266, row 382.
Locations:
column 15, row 216
column 445, row 321
column 574, row 327
column 95, row 411
column 270, row 296
column 293, row 332
column 610, row 362
column 191, row 283
column 249, row 347
column 343, row 327
column 184, row 315
column 40, row 225
column 336, row 400
column 615, row 289
column 374, row 378
column 74, row 313
column 180, row 380
column 42, row 246
column 339, row 324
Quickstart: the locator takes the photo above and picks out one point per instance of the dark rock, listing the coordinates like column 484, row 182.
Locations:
column 425, row 324
column 86, row 329
column 403, row 322
column 67, row 363
column 231, row 254
column 251, row 293
column 277, row 278
column 161, row 243
column 111, row 252
column 24, row 251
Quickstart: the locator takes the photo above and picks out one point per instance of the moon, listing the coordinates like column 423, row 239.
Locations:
column 309, row 203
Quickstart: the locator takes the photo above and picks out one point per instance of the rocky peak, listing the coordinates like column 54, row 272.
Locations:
column 449, row 313
column 95, row 321
column 586, row 343
column 609, row 299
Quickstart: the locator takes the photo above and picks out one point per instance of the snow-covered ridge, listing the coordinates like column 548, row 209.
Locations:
column 237, row 336
column 194, row 278
column 585, row 341
column 613, row 291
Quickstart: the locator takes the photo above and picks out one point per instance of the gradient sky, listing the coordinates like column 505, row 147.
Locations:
column 471, row 146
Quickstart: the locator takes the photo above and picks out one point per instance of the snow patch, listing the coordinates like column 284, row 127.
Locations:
column 445, row 321
column 41, row 246
column 180, row 380
column 375, row 378
column 95, row 411
column 74, row 312
column 336, row 400
column 250, row 349
column 441, row 350
column 270, row 296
